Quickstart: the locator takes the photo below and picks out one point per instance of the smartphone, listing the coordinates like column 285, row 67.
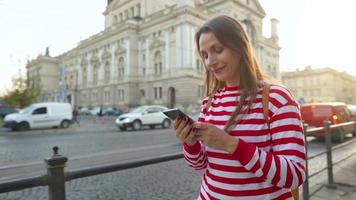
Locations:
column 174, row 113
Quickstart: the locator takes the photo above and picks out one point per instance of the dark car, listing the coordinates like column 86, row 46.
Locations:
column 112, row 112
column 4, row 110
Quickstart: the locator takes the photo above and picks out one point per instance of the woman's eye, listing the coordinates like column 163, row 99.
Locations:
column 218, row 49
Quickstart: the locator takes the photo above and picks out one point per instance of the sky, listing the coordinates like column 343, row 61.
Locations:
column 319, row 33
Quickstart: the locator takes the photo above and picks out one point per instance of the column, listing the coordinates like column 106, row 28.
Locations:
column 89, row 71
column 128, row 57
column 148, row 58
column 101, row 68
column 113, row 67
column 179, row 46
column 167, row 50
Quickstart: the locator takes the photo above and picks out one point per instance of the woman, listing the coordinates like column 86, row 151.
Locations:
column 245, row 155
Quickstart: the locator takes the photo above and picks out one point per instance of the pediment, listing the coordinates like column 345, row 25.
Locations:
column 120, row 50
column 94, row 59
column 106, row 55
column 156, row 43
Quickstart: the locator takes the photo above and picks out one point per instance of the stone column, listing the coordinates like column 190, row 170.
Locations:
column 167, row 51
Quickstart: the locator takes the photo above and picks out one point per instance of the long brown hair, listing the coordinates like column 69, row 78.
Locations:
column 232, row 35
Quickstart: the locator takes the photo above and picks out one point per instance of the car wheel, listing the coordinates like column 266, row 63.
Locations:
column 122, row 128
column 136, row 125
column 166, row 123
column 23, row 126
column 65, row 124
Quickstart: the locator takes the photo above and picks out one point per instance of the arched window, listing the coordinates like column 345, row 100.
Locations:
column 107, row 71
column 121, row 67
column 158, row 62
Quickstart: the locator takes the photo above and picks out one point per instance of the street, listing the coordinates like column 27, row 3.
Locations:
column 98, row 141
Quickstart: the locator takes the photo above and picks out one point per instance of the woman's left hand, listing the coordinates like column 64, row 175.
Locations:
column 214, row 137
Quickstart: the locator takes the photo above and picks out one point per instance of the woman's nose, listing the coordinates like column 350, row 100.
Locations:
column 211, row 60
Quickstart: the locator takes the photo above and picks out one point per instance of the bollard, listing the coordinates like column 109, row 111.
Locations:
column 306, row 182
column 55, row 173
column 329, row 160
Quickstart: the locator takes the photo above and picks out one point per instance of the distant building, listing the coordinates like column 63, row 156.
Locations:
column 44, row 71
column 321, row 85
column 146, row 54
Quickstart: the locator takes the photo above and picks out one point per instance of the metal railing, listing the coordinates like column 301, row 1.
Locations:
column 327, row 129
column 56, row 176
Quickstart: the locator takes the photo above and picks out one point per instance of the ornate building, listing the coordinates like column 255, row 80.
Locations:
column 146, row 54
column 321, row 85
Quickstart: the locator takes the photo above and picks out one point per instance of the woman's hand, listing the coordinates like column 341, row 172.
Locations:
column 216, row 138
column 183, row 128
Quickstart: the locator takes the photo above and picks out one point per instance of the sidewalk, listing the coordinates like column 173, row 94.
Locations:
column 345, row 182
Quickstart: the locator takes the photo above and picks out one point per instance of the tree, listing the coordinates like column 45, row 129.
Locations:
column 23, row 93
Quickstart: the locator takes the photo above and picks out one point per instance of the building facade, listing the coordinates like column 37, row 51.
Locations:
column 146, row 54
column 321, row 85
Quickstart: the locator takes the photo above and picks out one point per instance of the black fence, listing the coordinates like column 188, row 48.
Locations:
column 56, row 176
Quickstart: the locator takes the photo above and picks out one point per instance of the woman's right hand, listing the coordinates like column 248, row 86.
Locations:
column 183, row 128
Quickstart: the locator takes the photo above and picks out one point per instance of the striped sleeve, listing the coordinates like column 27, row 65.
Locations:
column 195, row 155
column 284, row 165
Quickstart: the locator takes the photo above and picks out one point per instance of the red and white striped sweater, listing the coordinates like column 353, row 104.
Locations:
column 267, row 162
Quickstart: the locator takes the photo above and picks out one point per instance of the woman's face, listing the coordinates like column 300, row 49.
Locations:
column 220, row 60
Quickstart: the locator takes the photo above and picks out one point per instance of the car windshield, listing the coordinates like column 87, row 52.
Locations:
column 26, row 110
column 139, row 109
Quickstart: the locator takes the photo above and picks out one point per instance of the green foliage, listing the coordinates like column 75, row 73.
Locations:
column 23, row 93
column 1, row 123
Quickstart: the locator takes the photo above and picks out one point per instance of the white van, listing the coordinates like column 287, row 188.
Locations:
column 40, row 115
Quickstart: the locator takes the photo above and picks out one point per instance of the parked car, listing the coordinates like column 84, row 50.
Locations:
column 314, row 114
column 150, row 115
column 40, row 115
column 4, row 110
column 94, row 111
column 84, row 111
column 110, row 111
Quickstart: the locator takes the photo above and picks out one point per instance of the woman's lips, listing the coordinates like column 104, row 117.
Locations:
column 218, row 70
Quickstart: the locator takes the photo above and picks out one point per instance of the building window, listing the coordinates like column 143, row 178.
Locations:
column 142, row 92
column 143, row 64
column 138, row 10
column 120, row 95
column 107, row 72
column 95, row 74
column 107, row 96
column 158, row 63
column 121, row 67
column 158, row 93
column 84, row 76
column 126, row 14
column 115, row 20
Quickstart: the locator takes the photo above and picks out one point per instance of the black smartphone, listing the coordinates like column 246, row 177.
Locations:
column 174, row 113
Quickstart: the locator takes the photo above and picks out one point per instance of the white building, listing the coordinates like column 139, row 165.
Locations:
column 146, row 54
